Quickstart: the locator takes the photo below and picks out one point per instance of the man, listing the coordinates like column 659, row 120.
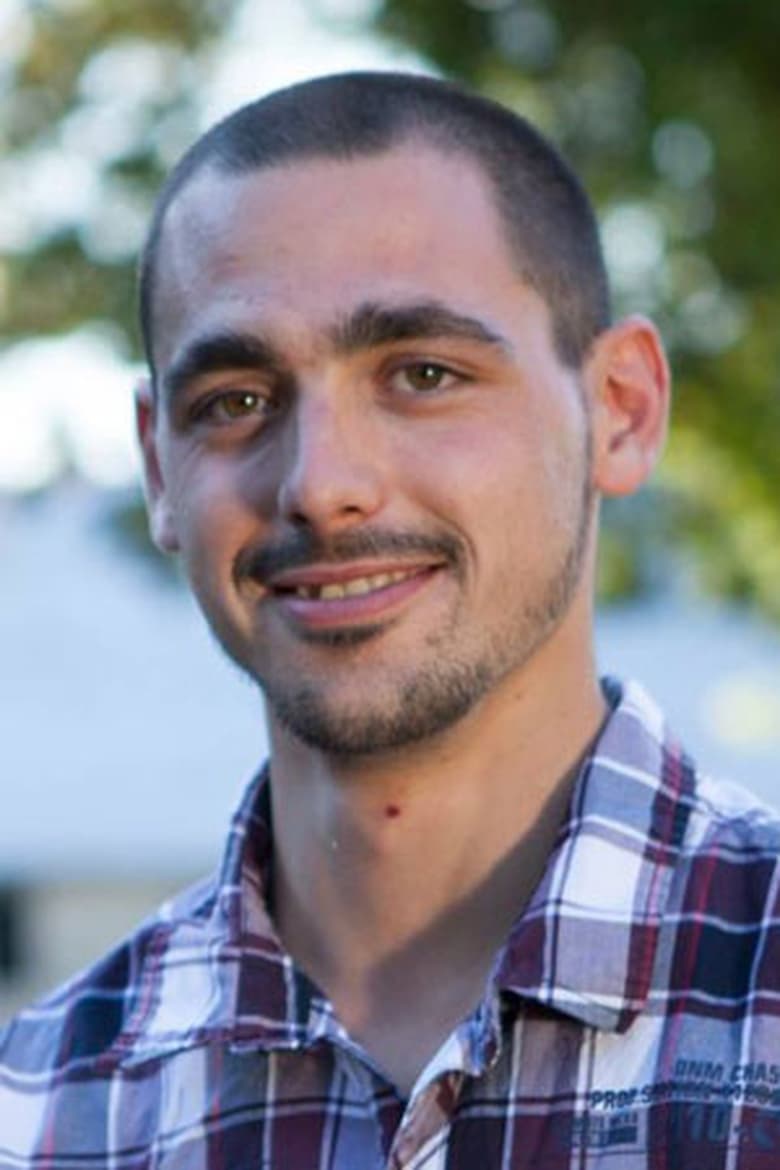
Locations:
column 479, row 911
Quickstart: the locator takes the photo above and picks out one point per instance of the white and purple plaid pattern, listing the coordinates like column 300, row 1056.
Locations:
column 633, row 1019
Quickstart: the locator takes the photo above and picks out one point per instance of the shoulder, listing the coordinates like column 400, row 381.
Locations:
column 729, row 823
column 81, row 1022
column 722, row 922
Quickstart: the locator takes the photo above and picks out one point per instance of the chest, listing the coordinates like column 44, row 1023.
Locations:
column 557, row 1096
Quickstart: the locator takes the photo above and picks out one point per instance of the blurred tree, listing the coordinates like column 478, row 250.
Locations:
column 99, row 97
column 670, row 114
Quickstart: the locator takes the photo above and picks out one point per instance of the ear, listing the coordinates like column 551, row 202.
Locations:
column 628, row 377
column 161, row 522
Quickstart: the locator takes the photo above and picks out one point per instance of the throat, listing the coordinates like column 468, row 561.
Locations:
column 402, row 1015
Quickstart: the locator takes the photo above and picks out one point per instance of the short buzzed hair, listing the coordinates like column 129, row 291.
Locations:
column 550, row 225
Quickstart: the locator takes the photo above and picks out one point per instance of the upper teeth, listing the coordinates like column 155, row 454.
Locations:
column 351, row 588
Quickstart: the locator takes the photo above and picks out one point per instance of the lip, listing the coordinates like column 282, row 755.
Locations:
column 317, row 613
column 340, row 574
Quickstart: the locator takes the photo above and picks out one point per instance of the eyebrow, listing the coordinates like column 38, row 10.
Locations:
column 369, row 326
column 373, row 324
column 225, row 350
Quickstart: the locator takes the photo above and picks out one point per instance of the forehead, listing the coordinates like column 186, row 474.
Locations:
column 300, row 242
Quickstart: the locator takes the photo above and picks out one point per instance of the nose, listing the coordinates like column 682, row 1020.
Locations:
column 332, row 476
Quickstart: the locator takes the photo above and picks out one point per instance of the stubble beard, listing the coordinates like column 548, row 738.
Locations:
column 427, row 699
column 433, row 697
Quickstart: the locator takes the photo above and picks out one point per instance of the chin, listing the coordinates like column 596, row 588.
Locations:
column 418, row 709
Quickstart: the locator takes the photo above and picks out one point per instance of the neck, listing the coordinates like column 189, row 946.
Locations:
column 398, row 877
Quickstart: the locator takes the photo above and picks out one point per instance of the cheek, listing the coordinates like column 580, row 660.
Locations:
column 515, row 490
column 491, row 468
column 211, row 521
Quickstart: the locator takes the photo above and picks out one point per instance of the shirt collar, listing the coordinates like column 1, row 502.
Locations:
column 586, row 943
column 214, row 968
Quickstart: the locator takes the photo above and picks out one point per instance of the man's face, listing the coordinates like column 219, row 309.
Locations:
column 371, row 459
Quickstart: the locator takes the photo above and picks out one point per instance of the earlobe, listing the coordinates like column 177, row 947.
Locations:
column 161, row 523
column 629, row 383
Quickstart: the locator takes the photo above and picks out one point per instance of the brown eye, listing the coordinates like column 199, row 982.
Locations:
column 424, row 376
column 230, row 406
column 238, row 404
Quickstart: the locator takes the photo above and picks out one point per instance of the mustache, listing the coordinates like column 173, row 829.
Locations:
column 304, row 547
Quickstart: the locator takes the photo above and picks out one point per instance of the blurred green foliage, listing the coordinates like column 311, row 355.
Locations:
column 670, row 113
column 107, row 89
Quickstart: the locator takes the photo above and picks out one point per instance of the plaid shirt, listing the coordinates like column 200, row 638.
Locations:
column 632, row 1019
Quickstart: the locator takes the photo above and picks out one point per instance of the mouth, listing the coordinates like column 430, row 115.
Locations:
column 344, row 595
column 354, row 587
